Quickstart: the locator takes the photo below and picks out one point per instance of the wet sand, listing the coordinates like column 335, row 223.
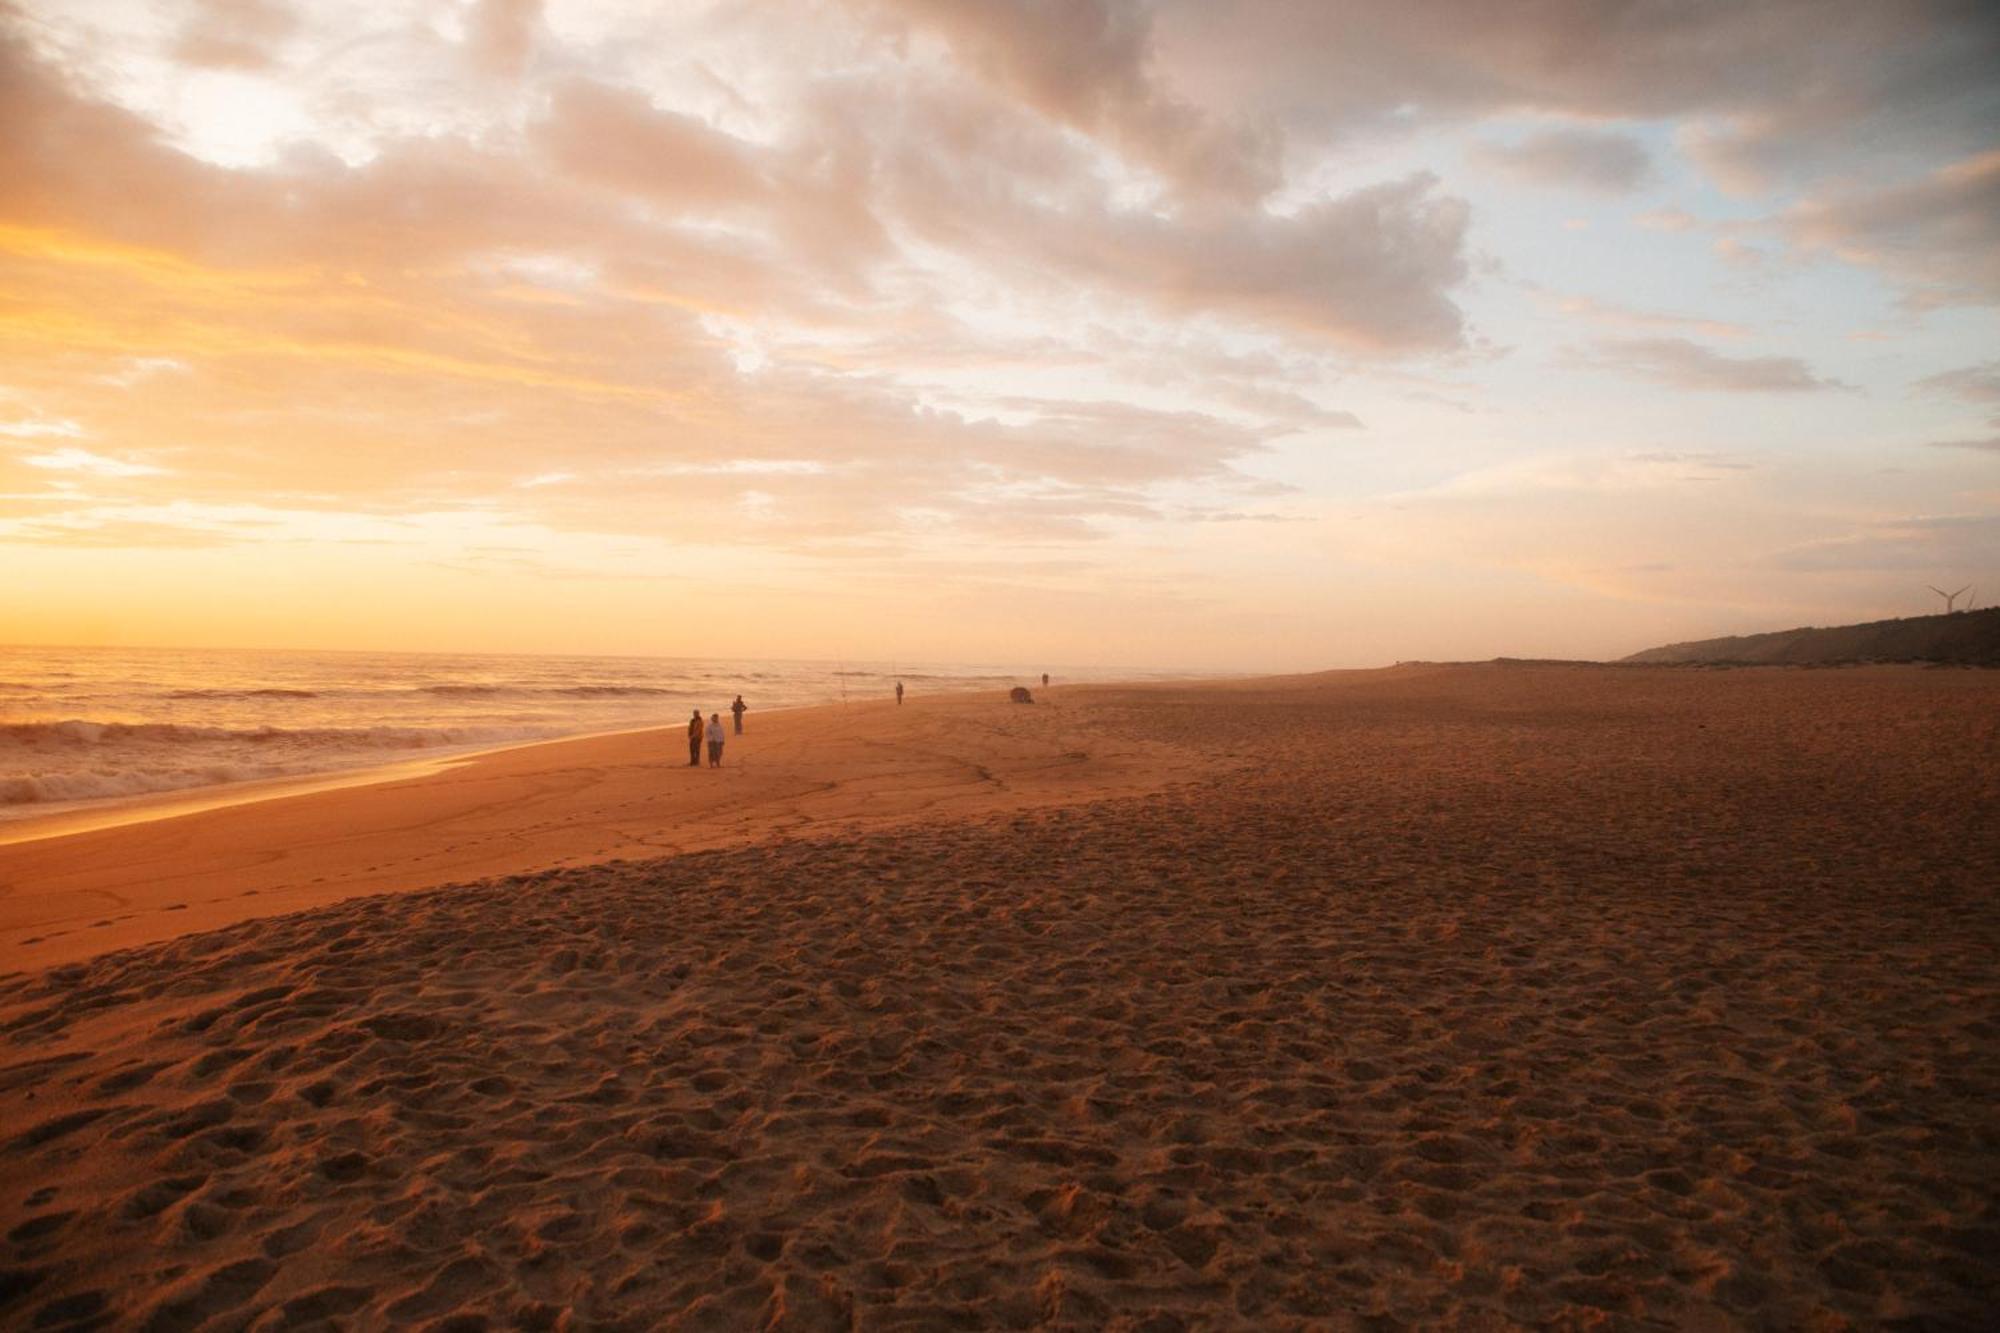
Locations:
column 1477, row 997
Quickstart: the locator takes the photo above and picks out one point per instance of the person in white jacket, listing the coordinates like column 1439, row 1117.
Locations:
column 716, row 735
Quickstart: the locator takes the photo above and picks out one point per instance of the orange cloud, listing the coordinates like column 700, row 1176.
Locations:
column 1013, row 294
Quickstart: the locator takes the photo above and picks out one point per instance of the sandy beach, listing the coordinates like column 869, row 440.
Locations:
column 628, row 796
column 1442, row 996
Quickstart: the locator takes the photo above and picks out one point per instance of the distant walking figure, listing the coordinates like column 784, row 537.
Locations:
column 715, row 739
column 739, row 708
column 694, row 740
column 1045, row 680
column 899, row 694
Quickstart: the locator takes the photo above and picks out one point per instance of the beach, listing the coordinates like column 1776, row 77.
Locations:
column 1482, row 996
column 89, row 730
column 624, row 796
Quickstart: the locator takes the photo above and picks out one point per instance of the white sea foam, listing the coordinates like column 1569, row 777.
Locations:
column 80, row 760
column 75, row 732
column 103, row 783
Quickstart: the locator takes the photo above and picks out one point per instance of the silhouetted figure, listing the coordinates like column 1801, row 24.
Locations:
column 1045, row 680
column 716, row 736
column 739, row 708
column 694, row 739
column 899, row 694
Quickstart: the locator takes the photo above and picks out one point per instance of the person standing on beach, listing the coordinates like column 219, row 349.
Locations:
column 899, row 694
column 715, row 738
column 694, row 739
column 739, row 708
column 1045, row 680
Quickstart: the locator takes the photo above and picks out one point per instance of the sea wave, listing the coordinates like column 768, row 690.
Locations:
column 75, row 733
column 957, row 680
column 244, row 694
column 105, row 784
column 612, row 691
column 457, row 691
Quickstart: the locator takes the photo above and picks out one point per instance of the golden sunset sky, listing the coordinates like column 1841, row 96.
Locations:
column 1257, row 335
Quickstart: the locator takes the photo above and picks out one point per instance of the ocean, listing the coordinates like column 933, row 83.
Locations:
column 83, row 727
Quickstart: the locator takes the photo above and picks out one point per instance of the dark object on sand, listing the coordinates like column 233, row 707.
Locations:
column 1019, row 694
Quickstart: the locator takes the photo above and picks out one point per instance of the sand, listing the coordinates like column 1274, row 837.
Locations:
column 540, row 807
column 1471, row 997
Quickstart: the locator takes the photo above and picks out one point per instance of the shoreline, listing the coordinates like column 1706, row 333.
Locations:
column 96, row 737
column 83, row 885
column 116, row 811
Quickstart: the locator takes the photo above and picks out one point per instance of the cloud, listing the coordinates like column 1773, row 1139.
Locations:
column 1789, row 541
column 1912, row 545
column 1625, row 317
column 1990, row 446
column 500, row 35
column 1972, row 384
column 1368, row 271
column 1687, row 365
column 1777, row 89
column 1939, row 236
column 37, row 429
column 139, row 369
column 871, row 280
column 1889, row 86
column 1697, row 459
column 616, row 137
column 1544, row 475
column 1238, row 516
column 1668, row 219
column 1739, row 254
column 234, row 34
column 793, row 227
column 1277, row 387
column 116, row 534
column 1086, row 64
column 72, row 459
column 1586, row 159
column 1283, row 405
column 1371, row 271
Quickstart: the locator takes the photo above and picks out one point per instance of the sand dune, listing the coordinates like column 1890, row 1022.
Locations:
column 1470, row 997
column 1968, row 637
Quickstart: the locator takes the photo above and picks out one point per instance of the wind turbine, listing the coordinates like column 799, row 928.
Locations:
column 1950, row 598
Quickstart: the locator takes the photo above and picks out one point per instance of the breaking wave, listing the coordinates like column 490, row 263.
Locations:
column 554, row 691
column 76, row 732
column 244, row 694
column 611, row 691
column 206, row 718
column 102, row 784
column 78, row 760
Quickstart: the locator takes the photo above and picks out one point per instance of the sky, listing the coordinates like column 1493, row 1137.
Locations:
column 1252, row 336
